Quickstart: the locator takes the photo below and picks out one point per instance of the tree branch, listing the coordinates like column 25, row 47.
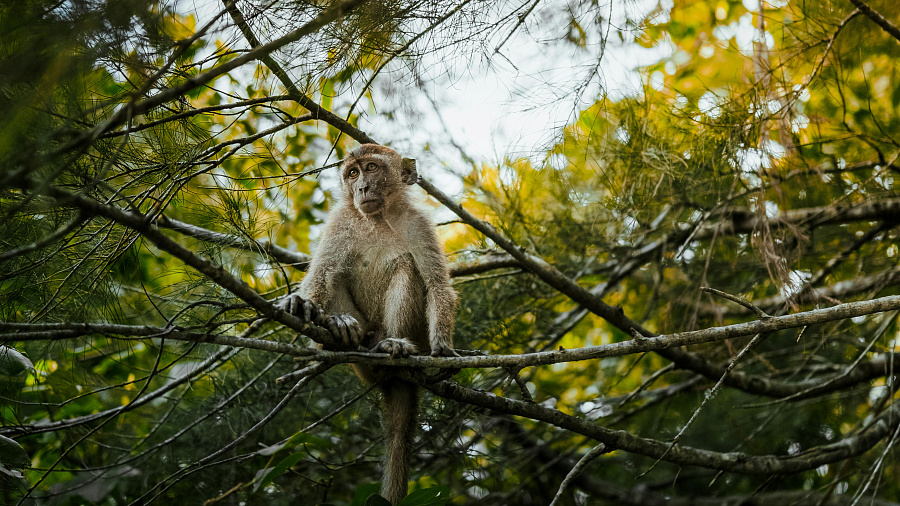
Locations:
column 57, row 331
column 664, row 343
column 484, row 264
column 745, row 222
column 279, row 254
column 880, row 427
column 877, row 18
column 838, row 291
column 38, row 428
column 654, row 343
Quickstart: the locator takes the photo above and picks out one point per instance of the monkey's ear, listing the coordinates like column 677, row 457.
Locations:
column 408, row 173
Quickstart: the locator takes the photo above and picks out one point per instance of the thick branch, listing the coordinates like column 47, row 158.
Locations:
column 880, row 427
column 863, row 371
column 59, row 331
column 877, row 18
column 656, row 343
column 483, row 264
column 745, row 222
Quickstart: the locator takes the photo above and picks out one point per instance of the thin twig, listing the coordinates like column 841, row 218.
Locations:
column 709, row 395
column 595, row 452
column 734, row 298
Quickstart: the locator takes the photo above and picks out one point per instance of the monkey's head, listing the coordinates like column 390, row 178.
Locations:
column 372, row 176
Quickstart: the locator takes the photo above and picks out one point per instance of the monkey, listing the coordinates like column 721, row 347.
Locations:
column 379, row 278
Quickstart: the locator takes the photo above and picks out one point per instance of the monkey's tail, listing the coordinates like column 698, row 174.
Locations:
column 399, row 416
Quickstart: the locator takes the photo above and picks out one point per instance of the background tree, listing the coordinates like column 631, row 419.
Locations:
column 690, row 297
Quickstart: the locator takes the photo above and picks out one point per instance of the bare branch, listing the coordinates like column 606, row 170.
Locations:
column 483, row 264
column 588, row 457
column 759, row 312
column 649, row 343
column 880, row 427
column 58, row 331
column 279, row 254
column 877, row 18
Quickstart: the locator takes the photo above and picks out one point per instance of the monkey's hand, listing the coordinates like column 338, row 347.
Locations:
column 345, row 328
column 302, row 308
column 443, row 350
column 396, row 347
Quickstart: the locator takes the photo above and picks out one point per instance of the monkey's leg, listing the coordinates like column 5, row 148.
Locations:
column 399, row 418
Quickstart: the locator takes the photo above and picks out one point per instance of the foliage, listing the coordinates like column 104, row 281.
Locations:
column 157, row 195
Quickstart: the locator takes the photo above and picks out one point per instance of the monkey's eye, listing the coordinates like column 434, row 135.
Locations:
column 371, row 167
column 353, row 173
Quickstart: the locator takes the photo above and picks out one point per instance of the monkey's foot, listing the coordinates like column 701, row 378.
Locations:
column 396, row 347
column 345, row 328
column 302, row 308
column 443, row 350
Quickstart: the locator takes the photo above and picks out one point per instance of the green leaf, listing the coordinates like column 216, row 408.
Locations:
column 377, row 500
column 11, row 472
column 300, row 438
column 432, row 496
column 285, row 464
column 363, row 493
column 12, row 454
column 12, row 362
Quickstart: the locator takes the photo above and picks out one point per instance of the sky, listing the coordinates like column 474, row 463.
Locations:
column 484, row 104
column 514, row 102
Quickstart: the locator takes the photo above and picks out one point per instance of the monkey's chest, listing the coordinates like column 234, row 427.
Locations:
column 382, row 277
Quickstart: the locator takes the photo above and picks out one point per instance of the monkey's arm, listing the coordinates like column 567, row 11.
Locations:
column 440, row 298
column 324, row 296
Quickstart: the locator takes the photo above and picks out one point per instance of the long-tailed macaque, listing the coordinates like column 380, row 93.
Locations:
column 379, row 278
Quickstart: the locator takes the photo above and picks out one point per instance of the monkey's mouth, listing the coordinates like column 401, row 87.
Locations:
column 370, row 205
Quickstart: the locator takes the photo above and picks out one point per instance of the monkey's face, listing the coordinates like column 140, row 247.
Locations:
column 368, row 180
column 372, row 179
